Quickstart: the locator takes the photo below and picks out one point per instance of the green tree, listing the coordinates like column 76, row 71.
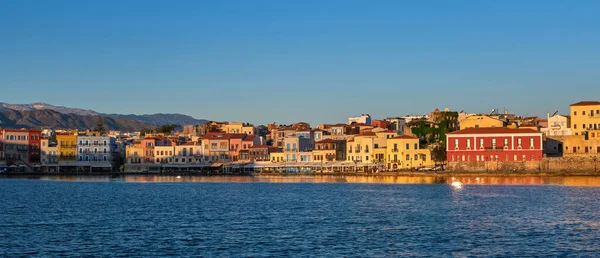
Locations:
column 100, row 126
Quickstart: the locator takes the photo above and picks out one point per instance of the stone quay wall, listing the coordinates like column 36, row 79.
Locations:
column 551, row 165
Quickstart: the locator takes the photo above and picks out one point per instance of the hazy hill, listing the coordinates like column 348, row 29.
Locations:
column 55, row 120
column 155, row 119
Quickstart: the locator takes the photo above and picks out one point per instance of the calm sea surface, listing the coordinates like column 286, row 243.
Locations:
column 305, row 216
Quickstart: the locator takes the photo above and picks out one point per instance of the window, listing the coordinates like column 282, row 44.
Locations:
column 583, row 126
column 80, row 142
column 523, row 157
column 80, row 150
column 395, row 146
column 408, row 146
column 532, row 157
column 481, row 143
column 477, row 157
column 515, row 157
column 506, row 158
column 519, row 142
column 574, row 126
column 407, row 157
column 531, row 142
column 468, row 143
column 493, row 143
column 416, row 157
column 583, row 113
column 104, row 150
column 416, row 146
column 104, row 143
column 395, row 157
column 506, row 144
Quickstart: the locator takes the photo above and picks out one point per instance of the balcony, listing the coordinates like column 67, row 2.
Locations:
column 394, row 150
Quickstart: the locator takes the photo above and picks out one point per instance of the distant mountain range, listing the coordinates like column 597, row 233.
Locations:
column 59, row 117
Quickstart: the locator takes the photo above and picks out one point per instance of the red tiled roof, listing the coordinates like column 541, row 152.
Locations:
column 327, row 141
column 494, row 130
column 386, row 131
column 188, row 144
column 586, row 103
column 339, row 125
column 250, row 138
column 404, row 137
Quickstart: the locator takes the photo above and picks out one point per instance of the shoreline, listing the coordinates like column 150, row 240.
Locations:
column 387, row 174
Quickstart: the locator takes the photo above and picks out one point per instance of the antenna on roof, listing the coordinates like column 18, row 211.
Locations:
column 555, row 112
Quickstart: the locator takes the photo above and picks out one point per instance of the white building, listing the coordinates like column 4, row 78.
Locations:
column 95, row 148
column 363, row 119
column 558, row 125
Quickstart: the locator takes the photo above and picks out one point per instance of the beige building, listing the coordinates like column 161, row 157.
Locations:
column 239, row 128
column 480, row 121
column 585, row 117
column 404, row 152
column 558, row 126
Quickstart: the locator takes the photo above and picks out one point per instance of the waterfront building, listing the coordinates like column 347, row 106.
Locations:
column 187, row 153
column 405, row 152
column 325, row 151
column 216, row 147
column 95, row 148
column 16, row 145
column 257, row 153
column 49, row 155
column 67, row 145
column 481, row 121
column 362, row 119
column 494, row 144
column 585, row 117
column 164, row 154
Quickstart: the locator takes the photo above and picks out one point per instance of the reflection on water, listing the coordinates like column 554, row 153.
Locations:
column 466, row 180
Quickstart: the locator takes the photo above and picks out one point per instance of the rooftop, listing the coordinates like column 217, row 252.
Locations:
column 405, row 137
column 494, row 130
column 586, row 103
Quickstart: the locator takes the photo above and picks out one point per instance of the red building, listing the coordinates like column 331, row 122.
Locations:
column 35, row 141
column 381, row 124
column 494, row 144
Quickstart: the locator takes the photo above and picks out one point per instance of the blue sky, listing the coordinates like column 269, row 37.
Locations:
column 287, row 61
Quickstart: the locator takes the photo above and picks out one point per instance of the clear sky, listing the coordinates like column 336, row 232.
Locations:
column 286, row 61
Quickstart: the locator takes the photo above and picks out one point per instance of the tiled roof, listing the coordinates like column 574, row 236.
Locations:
column 327, row 141
column 405, row 137
column 249, row 137
column 494, row 130
column 586, row 103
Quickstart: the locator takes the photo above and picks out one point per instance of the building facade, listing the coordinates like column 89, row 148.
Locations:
column 585, row 117
column 494, row 144
column 362, row 119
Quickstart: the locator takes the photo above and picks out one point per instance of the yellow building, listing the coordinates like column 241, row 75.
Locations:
column 67, row 145
column 239, row 127
column 477, row 121
column 277, row 157
column 585, row 117
column 578, row 145
column 404, row 152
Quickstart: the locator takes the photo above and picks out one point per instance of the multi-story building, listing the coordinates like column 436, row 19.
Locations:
column 257, row 153
column 16, row 145
column 585, row 117
column 95, row 148
column 216, row 147
column 494, row 144
column 397, row 124
column 558, row 125
column 239, row 128
column 49, row 155
column 405, row 152
column 325, row 150
column 67, row 145
column 361, row 147
column 362, row 119
column 188, row 153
